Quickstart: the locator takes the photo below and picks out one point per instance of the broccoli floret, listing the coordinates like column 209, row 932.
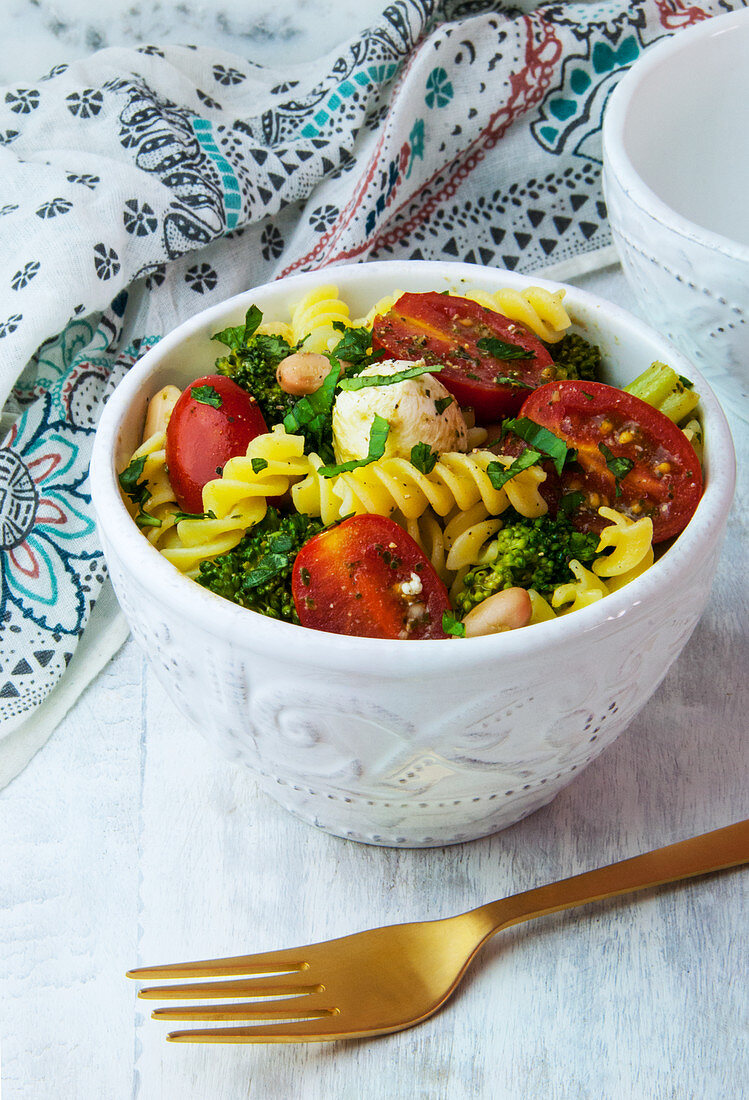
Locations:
column 530, row 553
column 575, row 357
column 253, row 367
column 257, row 573
column 664, row 389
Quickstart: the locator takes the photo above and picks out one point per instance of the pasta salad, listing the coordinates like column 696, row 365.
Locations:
column 447, row 465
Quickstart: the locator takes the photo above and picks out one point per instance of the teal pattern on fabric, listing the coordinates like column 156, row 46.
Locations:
column 232, row 195
column 374, row 75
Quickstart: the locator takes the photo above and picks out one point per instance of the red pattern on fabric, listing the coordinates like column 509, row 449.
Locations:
column 674, row 16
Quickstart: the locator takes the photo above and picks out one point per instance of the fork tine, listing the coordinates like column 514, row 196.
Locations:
column 298, row 1031
column 251, row 987
column 267, row 962
column 293, row 1008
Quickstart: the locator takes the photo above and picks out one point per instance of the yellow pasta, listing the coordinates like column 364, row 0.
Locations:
column 384, row 305
column 395, row 484
column 540, row 309
column 586, row 589
column 314, row 315
column 631, row 543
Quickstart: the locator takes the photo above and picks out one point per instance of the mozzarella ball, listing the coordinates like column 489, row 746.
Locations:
column 410, row 408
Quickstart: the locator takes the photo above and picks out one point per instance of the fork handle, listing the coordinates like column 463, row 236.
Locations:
column 714, row 851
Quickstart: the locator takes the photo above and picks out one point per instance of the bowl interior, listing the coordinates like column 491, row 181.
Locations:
column 628, row 347
column 686, row 126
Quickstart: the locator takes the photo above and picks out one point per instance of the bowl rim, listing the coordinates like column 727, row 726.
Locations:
column 376, row 656
column 617, row 165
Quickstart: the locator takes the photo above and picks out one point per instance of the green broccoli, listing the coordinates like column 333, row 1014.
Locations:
column 576, row 357
column 665, row 390
column 252, row 362
column 257, row 573
column 528, row 553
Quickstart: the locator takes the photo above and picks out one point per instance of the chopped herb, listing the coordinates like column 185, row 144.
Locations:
column 619, row 467
column 207, row 395
column 686, row 383
column 505, row 380
column 131, row 484
column 143, row 519
column 311, row 415
column 423, row 457
column 258, row 465
column 377, row 439
column 179, row 516
column 237, row 337
column 364, row 381
column 355, row 345
column 500, row 349
column 453, row 626
column 441, row 404
column 499, row 475
column 587, row 396
column 570, row 502
column 541, row 439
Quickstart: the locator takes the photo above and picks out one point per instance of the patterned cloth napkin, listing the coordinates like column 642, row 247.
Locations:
column 140, row 186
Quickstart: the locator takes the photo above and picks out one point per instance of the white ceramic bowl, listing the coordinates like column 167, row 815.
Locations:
column 676, row 181
column 412, row 743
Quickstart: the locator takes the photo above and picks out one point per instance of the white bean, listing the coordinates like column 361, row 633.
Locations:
column 303, row 372
column 159, row 410
column 506, row 610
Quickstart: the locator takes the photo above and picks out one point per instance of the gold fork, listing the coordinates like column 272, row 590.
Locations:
column 390, row 978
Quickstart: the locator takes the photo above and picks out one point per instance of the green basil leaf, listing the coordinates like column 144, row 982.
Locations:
column 499, row 475
column 258, row 465
column 206, row 395
column 377, row 439
column 505, row 380
column 144, row 520
column 130, row 477
column 618, row 466
column 179, row 516
column 541, row 439
column 423, row 457
column 453, row 626
column 364, row 381
column 570, row 502
column 500, row 349
column 237, row 336
column 442, row 403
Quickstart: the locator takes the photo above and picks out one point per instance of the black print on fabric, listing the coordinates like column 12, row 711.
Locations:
column 271, row 243
column 201, row 278
column 85, row 179
column 106, row 261
column 23, row 101
column 227, row 77
column 24, row 276
column 139, row 218
column 7, row 136
column 53, row 208
column 85, row 104
column 10, row 324
column 162, row 141
column 522, row 228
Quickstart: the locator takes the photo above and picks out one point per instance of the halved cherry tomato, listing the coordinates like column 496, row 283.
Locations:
column 213, row 421
column 665, row 480
column 457, row 333
column 368, row 578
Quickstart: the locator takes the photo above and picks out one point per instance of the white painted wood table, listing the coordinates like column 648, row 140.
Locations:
column 129, row 841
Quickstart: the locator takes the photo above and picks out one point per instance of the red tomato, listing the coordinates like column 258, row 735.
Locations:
column 665, row 481
column 368, row 578
column 204, row 434
column 442, row 329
